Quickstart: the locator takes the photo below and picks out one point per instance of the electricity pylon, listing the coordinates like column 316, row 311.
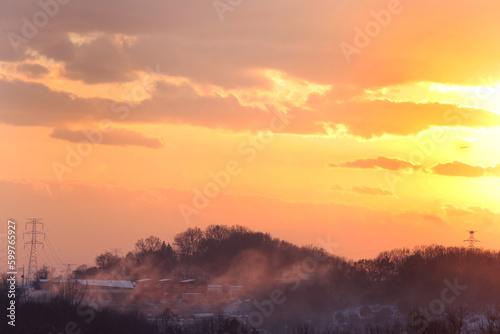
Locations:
column 34, row 233
column 471, row 240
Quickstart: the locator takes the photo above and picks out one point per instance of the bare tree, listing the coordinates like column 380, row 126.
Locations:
column 454, row 321
column 492, row 323
column 217, row 233
column 189, row 242
column 304, row 328
column 151, row 244
column 45, row 272
column 167, row 322
column 106, row 260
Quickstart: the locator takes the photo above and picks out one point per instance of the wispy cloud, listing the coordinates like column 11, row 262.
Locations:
column 459, row 168
column 363, row 190
column 376, row 163
column 117, row 137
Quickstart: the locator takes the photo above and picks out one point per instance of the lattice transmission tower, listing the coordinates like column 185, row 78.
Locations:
column 34, row 242
column 472, row 239
column 68, row 269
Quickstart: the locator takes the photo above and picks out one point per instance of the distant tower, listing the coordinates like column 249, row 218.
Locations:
column 116, row 251
column 68, row 269
column 472, row 240
column 33, row 265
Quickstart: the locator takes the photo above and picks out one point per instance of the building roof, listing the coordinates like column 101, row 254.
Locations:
column 107, row 283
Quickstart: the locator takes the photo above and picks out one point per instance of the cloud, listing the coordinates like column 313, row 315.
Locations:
column 363, row 190
column 336, row 187
column 118, row 137
column 468, row 139
column 453, row 210
column 115, row 40
column 24, row 103
column 188, row 38
column 454, row 168
column 369, row 119
column 376, row 163
column 183, row 104
column 471, row 213
column 171, row 104
column 197, row 46
column 32, row 70
column 430, row 219
column 104, row 59
column 459, row 168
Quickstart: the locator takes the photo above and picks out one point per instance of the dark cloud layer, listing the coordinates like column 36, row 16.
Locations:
column 182, row 105
column 23, row 103
column 293, row 36
column 188, row 39
column 32, row 70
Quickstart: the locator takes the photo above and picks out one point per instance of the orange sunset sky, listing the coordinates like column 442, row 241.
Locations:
column 373, row 123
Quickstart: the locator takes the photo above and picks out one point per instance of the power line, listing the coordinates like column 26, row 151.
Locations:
column 48, row 260
column 53, row 254
column 53, row 248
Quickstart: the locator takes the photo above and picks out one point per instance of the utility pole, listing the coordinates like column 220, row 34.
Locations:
column 34, row 233
column 471, row 240
column 116, row 251
column 68, row 269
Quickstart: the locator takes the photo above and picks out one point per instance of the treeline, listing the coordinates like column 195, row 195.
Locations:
column 314, row 283
column 421, row 274
column 408, row 277
column 215, row 250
